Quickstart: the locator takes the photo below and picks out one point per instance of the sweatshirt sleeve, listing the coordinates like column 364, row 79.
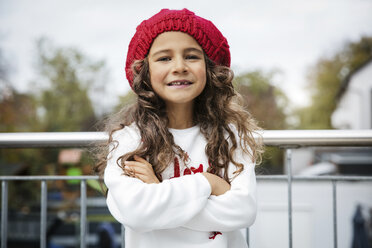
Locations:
column 236, row 208
column 145, row 207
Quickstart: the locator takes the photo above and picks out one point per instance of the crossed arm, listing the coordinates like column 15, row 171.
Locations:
column 201, row 202
column 143, row 170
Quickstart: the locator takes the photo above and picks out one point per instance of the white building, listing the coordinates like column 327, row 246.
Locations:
column 354, row 106
column 312, row 201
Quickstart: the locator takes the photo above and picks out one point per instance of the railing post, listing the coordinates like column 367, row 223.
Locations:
column 83, row 213
column 334, row 204
column 122, row 236
column 4, row 213
column 247, row 232
column 43, row 214
column 289, row 177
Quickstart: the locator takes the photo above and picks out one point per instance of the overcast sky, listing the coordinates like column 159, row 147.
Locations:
column 290, row 35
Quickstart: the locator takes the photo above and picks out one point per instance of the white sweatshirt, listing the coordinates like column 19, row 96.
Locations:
column 180, row 211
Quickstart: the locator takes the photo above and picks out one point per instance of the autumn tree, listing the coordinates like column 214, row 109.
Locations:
column 17, row 114
column 67, row 80
column 267, row 105
column 4, row 68
column 262, row 99
column 17, row 111
column 125, row 100
column 325, row 79
column 67, row 76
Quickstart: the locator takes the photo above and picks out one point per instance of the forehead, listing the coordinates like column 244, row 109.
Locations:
column 173, row 40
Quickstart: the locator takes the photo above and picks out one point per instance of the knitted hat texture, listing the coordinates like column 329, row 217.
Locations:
column 204, row 32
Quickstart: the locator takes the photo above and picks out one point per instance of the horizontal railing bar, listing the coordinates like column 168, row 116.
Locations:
column 316, row 178
column 27, row 178
column 259, row 177
column 292, row 138
column 51, row 139
column 301, row 138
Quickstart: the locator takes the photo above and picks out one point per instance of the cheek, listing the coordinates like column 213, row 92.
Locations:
column 156, row 75
column 201, row 71
column 202, row 75
column 156, row 80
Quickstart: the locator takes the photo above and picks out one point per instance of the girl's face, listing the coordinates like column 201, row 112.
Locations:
column 177, row 68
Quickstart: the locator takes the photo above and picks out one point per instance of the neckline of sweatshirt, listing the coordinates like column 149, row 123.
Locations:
column 184, row 131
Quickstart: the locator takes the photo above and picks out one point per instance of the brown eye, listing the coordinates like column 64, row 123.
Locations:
column 192, row 57
column 164, row 59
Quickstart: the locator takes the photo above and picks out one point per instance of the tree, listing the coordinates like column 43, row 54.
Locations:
column 17, row 114
column 267, row 105
column 325, row 79
column 4, row 68
column 69, row 76
column 262, row 99
column 126, row 100
column 67, row 83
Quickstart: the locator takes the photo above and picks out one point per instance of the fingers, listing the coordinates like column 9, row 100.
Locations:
column 142, row 160
column 140, row 169
column 139, row 166
column 136, row 168
column 143, row 173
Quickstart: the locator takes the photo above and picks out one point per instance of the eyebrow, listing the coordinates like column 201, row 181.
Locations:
column 190, row 49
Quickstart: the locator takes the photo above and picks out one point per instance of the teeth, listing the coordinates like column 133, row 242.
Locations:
column 179, row 83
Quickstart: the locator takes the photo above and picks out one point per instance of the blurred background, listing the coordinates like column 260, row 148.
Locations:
column 298, row 64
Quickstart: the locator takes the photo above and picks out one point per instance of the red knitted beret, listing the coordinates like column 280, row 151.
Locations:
column 204, row 32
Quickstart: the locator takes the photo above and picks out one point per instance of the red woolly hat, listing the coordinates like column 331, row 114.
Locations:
column 204, row 32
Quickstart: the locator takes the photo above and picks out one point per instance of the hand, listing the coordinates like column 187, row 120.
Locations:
column 218, row 185
column 141, row 169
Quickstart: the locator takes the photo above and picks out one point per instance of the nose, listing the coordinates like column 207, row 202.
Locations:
column 180, row 65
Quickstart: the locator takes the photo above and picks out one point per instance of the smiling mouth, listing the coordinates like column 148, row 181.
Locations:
column 178, row 83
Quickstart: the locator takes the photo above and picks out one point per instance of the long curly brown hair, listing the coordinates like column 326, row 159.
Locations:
column 216, row 109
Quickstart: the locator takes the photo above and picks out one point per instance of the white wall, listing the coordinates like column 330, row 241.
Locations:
column 302, row 158
column 312, row 213
column 354, row 109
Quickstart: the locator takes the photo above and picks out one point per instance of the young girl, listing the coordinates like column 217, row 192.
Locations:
column 180, row 164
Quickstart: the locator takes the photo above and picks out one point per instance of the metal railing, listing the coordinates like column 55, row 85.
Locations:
column 288, row 140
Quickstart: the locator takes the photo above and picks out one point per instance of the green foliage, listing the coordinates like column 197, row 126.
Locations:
column 129, row 98
column 64, row 103
column 69, row 75
column 17, row 112
column 266, row 103
column 4, row 69
column 262, row 99
column 325, row 79
column 61, row 104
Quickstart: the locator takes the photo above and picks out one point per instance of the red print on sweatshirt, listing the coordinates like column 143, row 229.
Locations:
column 187, row 171
column 214, row 234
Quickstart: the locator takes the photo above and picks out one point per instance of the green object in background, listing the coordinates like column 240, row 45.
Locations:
column 96, row 185
column 73, row 171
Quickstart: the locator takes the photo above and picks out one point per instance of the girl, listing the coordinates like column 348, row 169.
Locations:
column 180, row 164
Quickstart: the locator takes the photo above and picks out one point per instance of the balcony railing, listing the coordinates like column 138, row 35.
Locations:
column 287, row 140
